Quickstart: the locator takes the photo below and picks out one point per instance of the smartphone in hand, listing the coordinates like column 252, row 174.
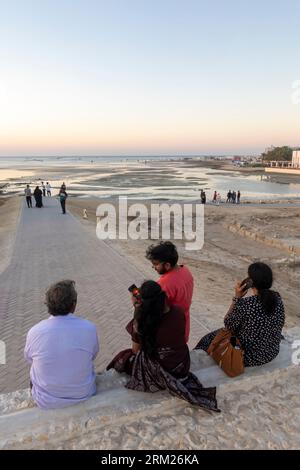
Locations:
column 135, row 292
column 246, row 284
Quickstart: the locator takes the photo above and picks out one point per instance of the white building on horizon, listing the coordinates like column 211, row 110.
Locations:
column 296, row 159
column 291, row 167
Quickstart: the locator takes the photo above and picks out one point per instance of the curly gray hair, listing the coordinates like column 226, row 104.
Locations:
column 61, row 297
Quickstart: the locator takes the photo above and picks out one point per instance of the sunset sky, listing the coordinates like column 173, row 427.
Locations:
column 147, row 77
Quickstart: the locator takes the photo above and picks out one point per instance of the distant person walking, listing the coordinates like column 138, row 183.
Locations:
column 43, row 188
column 201, row 195
column 233, row 197
column 218, row 199
column 62, row 199
column 63, row 186
column 214, row 197
column 28, row 195
column 48, row 187
column 238, row 197
column 38, row 196
column 229, row 195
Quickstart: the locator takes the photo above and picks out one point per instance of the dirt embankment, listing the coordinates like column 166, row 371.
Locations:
column 9, row 212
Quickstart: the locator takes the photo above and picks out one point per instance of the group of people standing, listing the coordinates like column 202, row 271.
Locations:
column 232, row 197
column 37, row 194
column 43, row 191
column 62, row 348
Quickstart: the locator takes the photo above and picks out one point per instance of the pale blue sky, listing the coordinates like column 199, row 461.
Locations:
column 148, row 77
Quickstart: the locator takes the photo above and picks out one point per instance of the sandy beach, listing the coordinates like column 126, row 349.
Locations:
column 226, row 254
column 235, row 235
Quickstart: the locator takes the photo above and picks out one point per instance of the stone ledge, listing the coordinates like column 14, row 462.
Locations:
column 255, row 235
column 24, row 426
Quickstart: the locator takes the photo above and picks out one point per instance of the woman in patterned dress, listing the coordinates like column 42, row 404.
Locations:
column 257, row 320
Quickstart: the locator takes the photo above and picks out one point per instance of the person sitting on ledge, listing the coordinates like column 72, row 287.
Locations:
column 61, row 351
column 159, row 358
column 257, row 320
column 176, row 280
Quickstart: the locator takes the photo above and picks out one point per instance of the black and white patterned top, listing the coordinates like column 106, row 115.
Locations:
column 258, row 332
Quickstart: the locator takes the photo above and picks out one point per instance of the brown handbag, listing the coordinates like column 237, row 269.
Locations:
column 227, row 352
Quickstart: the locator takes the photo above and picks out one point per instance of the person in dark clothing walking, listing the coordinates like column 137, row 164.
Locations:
column 229, row 195
column 38, row 196
column 62, row 198
column 28, row 195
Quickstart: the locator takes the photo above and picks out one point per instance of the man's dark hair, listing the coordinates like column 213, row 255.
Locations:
column 165, row 252
column 61, row 298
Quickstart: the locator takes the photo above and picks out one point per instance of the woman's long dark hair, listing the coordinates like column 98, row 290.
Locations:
column 149, row 315
column 262, row 278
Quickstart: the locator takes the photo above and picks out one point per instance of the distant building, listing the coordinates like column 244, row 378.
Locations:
column 291, row 167
column 296, row 159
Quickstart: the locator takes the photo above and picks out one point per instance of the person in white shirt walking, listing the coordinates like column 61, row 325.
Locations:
column 43, row 186
column 28, row 195
column 48, row 187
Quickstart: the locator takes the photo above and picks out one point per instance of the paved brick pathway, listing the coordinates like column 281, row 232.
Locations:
column 49, row 247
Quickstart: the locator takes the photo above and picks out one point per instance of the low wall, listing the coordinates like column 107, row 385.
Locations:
column 287, row 171
column 117, row 418
column 260, row 237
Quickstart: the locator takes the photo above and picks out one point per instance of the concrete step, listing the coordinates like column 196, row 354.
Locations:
column 22, row 425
